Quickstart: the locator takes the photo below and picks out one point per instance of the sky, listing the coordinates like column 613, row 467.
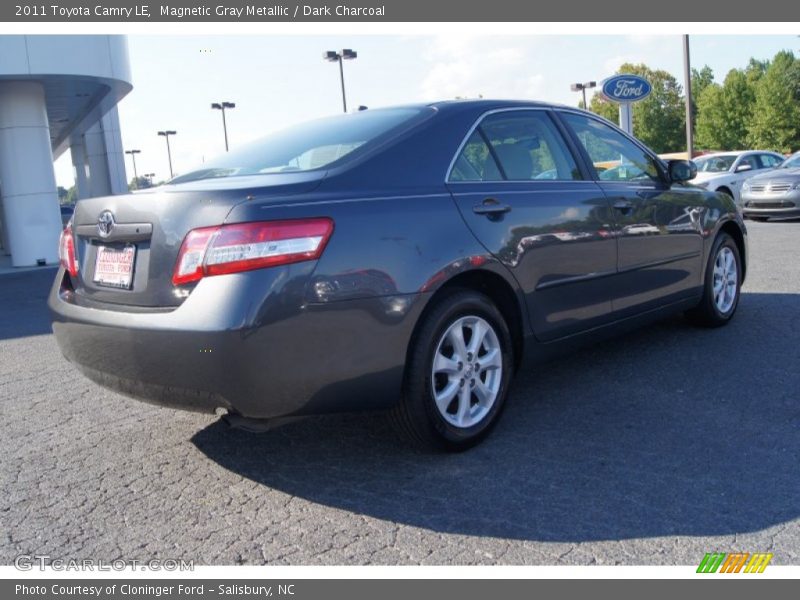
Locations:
column 276, row 81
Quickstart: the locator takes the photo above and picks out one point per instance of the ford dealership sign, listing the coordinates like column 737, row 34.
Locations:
column 626, row 88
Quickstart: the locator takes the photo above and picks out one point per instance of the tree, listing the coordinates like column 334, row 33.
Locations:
column 755, row 70
column 62, row 194
column 659, row 120
column 725, row 113
column 67, row 196
column 139, row 183
column 701, row 80
column 605, row 108
column 776, row 115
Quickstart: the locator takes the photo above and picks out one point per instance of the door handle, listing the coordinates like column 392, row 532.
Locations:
column 623, row 205
column 490, row 207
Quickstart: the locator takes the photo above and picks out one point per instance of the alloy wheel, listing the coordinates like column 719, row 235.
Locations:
column 726, row 280
column 467, row 371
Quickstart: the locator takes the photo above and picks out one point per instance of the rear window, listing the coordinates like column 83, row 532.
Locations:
column 311, row 145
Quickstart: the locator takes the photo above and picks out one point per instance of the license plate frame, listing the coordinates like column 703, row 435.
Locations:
column 114, row 266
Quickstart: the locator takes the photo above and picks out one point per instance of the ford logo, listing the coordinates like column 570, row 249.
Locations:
column 626, row 88
column 105, row 223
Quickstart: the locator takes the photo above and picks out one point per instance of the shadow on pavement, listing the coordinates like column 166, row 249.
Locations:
column 671, row 430
column 23, row 297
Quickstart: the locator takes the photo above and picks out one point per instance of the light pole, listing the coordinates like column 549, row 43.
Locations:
column 333, row 56
column 582, row 87
column 166, row 135
column 133, row 154
column 687, row 74
column 222, row 106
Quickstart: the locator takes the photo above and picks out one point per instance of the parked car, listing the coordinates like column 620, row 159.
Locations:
column 726, row 171
column 404, row 258
column 775, row 193
column 66, row 213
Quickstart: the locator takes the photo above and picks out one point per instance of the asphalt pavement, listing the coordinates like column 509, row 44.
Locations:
column 652, row 448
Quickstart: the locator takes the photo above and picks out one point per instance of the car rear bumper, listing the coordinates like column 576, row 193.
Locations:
column 261, row 360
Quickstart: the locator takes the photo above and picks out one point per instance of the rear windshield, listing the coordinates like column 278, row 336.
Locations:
column 311, row 145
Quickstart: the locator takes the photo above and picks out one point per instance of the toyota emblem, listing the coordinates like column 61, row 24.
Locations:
column 105, row 223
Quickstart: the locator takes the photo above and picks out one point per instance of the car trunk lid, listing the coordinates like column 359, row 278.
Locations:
column 127, row 245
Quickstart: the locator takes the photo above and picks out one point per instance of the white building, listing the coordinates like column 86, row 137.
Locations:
column 57, row 93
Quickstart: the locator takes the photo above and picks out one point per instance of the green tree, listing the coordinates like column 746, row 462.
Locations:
column 67, row 196
column 755, row 70
column 600, row 105
column 701, row 80
column 776, row 116
column 725, row 113
column 139, row 183
column 659, row 120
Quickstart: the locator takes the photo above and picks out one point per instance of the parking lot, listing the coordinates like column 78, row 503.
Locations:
column 653, row 448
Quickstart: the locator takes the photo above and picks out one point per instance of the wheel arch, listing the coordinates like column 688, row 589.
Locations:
column 497, row 289
column 733, row 230
column 724, row 189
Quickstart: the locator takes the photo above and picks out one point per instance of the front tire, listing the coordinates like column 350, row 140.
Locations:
column 722, row 285
column 458, row 373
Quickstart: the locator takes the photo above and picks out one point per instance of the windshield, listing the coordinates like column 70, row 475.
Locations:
column 307, row 146
column 793, row 162
column 715, row 164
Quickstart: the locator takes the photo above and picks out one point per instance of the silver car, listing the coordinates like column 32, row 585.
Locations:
column 774, row 194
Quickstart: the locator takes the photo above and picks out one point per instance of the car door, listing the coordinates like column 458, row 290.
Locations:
column 658, row 224
column 528, row 199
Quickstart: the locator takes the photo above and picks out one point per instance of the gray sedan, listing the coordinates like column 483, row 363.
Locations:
column 774, row 194
column 403, row 258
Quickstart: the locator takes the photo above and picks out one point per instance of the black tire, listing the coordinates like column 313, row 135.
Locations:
column 416, row 417
column 707, row 313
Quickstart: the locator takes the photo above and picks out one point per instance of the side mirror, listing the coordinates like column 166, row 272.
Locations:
column 681, row 171
column 743, row 167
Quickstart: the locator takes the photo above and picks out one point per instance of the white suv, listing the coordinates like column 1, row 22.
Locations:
column 727, row 171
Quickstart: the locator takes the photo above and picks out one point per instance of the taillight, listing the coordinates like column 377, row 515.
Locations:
column 246, row 246
column 66, row 251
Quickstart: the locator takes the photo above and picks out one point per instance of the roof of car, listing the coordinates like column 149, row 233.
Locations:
column 736, row 153
column 490, row 104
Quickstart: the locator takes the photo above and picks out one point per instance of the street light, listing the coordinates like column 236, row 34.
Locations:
column 333, row 56
column 687, row 74
column 222, row 106
column 166, row 135
column 582, row 87
column 133, row 154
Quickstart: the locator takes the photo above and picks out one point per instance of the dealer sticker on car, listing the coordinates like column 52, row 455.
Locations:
column 114, row 266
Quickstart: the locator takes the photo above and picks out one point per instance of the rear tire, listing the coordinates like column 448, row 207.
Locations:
column 722, row 286
column 451, row 401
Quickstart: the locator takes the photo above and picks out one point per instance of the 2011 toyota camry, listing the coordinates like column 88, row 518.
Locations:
column 408, row 258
